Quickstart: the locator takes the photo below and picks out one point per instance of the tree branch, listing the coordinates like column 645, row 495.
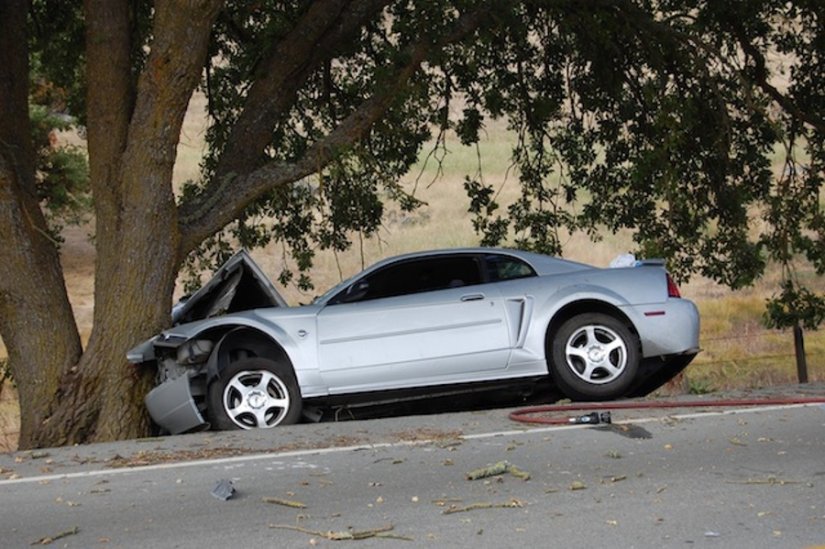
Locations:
column 230, row 194
column 761, row 75
column 315, row 39
column 165, row 86
column 15, row 130
column 141, row 174
column 110, row 97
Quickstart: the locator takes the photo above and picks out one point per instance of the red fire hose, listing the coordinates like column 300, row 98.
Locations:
column 600, row 411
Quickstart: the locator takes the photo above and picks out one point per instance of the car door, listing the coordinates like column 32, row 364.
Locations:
column 417, row 322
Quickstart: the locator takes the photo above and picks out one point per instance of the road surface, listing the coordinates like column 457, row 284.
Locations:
column 675, row 478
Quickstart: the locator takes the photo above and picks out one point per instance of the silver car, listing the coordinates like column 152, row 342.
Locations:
column 427, row 323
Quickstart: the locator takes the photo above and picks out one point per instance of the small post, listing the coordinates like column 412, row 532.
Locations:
column 799, row 347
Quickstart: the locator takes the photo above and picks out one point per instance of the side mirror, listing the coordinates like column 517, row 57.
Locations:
column 357, row 291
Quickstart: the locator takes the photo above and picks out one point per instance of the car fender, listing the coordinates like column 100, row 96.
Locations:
column 300, row 354
column 568, row 295
column 580, row 292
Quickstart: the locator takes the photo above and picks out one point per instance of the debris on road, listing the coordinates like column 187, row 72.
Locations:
column 223, row 489
column 381, row 532
column 628, row 430
column 770, row 480
column 284, row 502
column 484, row 472
column 497, row 469
column 50, row 539
column 512, row 504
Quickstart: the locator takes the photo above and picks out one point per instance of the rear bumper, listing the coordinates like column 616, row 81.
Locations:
column 669, row 328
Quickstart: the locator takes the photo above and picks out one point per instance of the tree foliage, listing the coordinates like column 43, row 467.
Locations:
column 665, row 117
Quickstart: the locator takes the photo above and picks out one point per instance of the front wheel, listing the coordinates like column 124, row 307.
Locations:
column 254, row 393
column 594, row 356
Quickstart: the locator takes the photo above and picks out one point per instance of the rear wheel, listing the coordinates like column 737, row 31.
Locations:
column 254, row 393
column 594, row 356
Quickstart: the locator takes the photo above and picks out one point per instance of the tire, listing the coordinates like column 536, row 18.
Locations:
column 661, row 374
column 594, row 356
column 254, row 393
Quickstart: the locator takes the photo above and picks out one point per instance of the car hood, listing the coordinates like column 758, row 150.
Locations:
column 238, row 285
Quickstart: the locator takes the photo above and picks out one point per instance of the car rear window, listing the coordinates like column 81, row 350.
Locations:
column 502, row 267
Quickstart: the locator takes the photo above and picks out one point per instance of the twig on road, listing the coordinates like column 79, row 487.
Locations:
column 381, row 532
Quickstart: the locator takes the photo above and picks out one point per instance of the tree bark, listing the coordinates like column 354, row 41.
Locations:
column 36, row 319
column 137, row 232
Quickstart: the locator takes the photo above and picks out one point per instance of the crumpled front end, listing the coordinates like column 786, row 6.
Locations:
column 176, row 403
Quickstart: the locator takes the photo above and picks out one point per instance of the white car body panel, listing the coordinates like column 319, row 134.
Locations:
column 489, row 331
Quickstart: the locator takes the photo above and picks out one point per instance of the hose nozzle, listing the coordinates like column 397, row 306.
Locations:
column 593, row 418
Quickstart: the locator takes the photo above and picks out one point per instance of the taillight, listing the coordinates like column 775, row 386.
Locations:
column 672, row 288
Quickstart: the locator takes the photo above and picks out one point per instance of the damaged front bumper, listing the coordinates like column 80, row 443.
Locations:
column 172, row 406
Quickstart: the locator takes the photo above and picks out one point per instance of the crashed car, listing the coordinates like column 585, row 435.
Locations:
column 428, row 323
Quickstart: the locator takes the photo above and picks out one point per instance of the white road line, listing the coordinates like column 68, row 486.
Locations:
column 527, row 430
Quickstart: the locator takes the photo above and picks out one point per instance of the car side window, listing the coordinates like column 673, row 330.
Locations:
column 500, row 267
column 415, row 276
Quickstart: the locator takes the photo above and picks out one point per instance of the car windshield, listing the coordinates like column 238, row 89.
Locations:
column 334, row 290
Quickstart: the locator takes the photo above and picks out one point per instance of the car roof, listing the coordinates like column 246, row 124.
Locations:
column 542, row 264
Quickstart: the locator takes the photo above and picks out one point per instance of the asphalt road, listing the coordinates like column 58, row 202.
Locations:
column 675, row 478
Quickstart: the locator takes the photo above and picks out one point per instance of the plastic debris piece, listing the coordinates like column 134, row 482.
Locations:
column 623, row 260
column 711, row 534
column 223, row 489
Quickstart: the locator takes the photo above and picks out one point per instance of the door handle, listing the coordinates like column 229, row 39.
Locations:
column 472, row 297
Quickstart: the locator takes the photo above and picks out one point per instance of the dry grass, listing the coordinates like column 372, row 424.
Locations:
column 9, row 418
column 737, row 351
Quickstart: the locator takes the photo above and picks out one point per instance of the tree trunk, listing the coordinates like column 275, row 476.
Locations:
column 133, row 135
column 133, row 130
column 36, row 319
